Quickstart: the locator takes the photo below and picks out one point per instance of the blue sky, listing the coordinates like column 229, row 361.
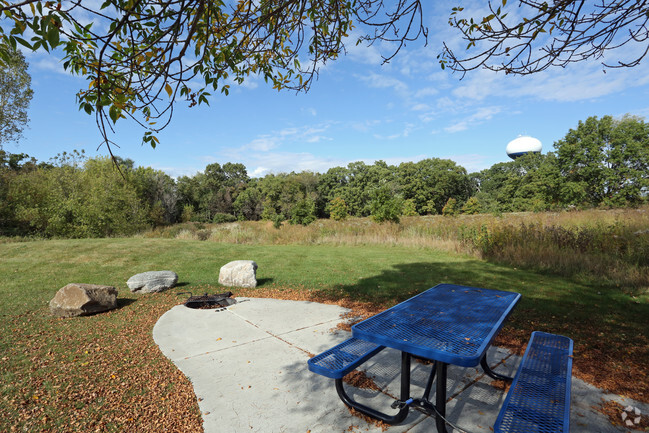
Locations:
column 357, row 110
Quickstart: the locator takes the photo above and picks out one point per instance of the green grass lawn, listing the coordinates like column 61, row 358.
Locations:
column 610, row 328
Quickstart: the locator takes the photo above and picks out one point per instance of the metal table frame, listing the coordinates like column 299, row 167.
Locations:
column 447, row 324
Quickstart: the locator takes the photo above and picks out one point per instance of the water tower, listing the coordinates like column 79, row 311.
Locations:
column 521, row 145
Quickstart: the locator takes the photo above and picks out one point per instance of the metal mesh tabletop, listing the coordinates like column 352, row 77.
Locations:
column 448, row 323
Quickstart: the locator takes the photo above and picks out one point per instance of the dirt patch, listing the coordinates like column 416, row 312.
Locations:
column 359, row 379
column 500, row 385
column 380, row 424
column 90, row 374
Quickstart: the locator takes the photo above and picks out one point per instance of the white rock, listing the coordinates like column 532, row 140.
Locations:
column 629, row 423
column 637, row 411
column 152, row 281
column 239, row 273
column 637, row 420
column 629, row 408
column 624, row 415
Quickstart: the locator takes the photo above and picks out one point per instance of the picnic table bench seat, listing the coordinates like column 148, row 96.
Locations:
column 538, row 400
column 343, row 358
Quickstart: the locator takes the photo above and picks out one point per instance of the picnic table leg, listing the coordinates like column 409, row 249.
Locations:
column 440, row 396
column 429, row 384
column 405, row 395
column 492, row 374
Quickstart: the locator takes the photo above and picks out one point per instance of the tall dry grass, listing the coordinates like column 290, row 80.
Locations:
column 609, row 247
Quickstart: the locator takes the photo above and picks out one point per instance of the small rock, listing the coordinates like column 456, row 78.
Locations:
column 83, row 299
column 152, row 281
column 239, row 273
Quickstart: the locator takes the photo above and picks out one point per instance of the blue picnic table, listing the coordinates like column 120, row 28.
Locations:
column 455, row 325
column 448, row 324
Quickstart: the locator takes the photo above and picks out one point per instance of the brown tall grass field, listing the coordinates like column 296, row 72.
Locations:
column 603, row 247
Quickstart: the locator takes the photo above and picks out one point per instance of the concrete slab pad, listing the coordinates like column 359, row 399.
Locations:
column 317, row 338
column 185, row 332
column 261, row 387
column 278, row 316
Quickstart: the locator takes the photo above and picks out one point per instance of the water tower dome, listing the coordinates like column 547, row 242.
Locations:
column 521, row 145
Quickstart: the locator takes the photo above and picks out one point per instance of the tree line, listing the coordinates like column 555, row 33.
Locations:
column 603, row 162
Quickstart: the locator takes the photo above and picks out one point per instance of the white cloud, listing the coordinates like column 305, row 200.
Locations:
column 426, row 91
column 478, row 86
column 317, row 139
column 364, row 126
column 177, row 172
column 420, row 107
column 472, row 162
column 481, row 115
column 457, row 127
column 396, row 160
column 361, row 52
column 48, row 63
column 577, row 82
column 384, row 82
column 581, row 82
column 251, row 82
column 407, row 130
column 285, row 162
column 259, row 171
column 263, row 144
column 387, row 137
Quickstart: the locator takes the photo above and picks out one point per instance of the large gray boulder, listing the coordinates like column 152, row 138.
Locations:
column 83, row 299
column 239, row 273
column 152, row 281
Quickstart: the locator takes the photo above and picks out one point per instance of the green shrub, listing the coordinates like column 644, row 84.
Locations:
column 430, row 208
column 338, row 209
column 472, row 206
column 269, row 212
column 303, row 212
column 220, row 218
column 203, row 235
column 385, row 206
column 277, row 221
column 409, row 208
column 187, row 214
column 450, row 208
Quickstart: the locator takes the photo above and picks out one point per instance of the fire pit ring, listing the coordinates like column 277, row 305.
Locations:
column 205, row 301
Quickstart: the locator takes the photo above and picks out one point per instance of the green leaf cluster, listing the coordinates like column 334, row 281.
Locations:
column 338, row 210
column 385, row 205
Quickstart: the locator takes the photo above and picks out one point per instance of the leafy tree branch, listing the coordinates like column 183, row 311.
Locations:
column 529, row 36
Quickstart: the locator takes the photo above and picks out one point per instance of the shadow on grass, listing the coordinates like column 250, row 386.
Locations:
column 610, row 328
column 263, row 281
column 125, row 302
column 548, row 302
